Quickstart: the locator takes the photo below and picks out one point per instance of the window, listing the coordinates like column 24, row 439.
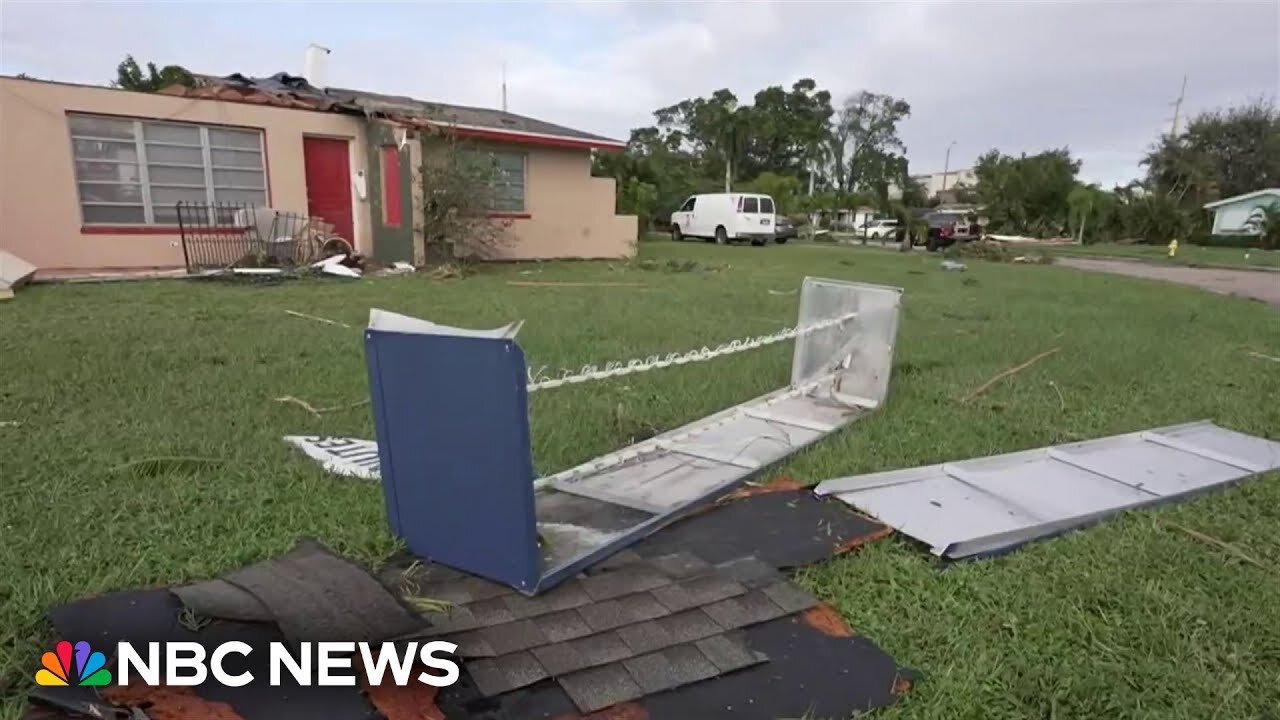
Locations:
column 766, row 205
column 508, row 178
column 689, row 205
column 134, row 172
column 750, row 205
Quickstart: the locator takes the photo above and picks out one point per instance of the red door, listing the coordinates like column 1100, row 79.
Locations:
column 329, row 183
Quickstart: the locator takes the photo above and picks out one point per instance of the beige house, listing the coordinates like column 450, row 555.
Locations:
column 90, row 177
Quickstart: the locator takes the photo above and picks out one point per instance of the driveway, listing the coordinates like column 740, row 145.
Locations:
column 1257, row 284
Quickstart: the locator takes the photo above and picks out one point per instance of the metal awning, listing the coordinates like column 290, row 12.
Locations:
column 987, row 505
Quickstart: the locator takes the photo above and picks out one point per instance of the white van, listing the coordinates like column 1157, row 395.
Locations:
column 725, row 217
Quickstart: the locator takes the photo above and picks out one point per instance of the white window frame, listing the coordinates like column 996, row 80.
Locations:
column 140, row 143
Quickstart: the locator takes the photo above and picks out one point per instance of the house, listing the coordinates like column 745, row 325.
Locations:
column 1244, row 214
column 90, row 176
column 935, row 183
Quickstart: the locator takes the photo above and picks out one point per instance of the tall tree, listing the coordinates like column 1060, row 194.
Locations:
column 865, row 147
column 1028, row 194
column 129, row 76
column 1220, row 154
column 716, row 129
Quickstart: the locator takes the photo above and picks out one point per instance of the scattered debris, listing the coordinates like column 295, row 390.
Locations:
column 1061, row 400
column 675, row 266
column 782, row 292
column 983, row 506
column 309, row 593
column 531, row 283
column 431, row 380
column 447, row 271
column 336, row 265
column 949, row 265
column 257, row 271
column 14, row 273
column 1272, row 358
column 10, row 423
column 317, row 318
column 1006, row 373
column 398, row 267
column 348, row 457
column 1234, row 550
column 319, row 411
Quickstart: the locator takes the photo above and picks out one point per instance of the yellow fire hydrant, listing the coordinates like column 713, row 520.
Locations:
column 1173, row 247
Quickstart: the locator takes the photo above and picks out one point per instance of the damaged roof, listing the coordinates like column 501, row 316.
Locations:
column 293, row 91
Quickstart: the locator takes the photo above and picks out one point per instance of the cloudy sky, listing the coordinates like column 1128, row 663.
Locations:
column 1018, row 75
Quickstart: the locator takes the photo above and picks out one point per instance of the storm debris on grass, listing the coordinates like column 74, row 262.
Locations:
column 533, row 283
column 1006, row 373
column 992, row 251
column 320, row 411
column 317, row 318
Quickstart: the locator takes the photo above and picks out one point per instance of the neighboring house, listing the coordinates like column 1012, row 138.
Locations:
column 847, row 219
column 90, row 176
column 1243, row 214
column 934, row 183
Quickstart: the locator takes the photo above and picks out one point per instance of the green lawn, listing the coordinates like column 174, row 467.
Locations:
column 1132, row 619
column 1195, row 255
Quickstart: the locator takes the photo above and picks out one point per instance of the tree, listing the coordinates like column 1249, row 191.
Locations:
column 1221, row 153
column 715, row 127
column 1027, row 195
column 458, row 194
column 130, row 77
column 865, row 147
column 784, row 189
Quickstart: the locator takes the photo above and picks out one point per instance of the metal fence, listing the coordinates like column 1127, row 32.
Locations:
column 221, row 235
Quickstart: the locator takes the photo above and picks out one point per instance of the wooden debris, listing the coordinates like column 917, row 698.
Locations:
column 1006, row 373
column 9, row 423
column 319, row 411
column 531, row 283
column 295, row 313
column 1272, row 358
column 1223, row 544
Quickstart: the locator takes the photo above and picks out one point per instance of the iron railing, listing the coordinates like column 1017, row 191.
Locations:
column 222, row 235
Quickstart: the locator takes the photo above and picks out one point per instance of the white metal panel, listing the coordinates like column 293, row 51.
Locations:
column 990, row 504
column 937, row 509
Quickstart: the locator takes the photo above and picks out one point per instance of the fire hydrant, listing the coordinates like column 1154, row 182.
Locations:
column 1173, row 247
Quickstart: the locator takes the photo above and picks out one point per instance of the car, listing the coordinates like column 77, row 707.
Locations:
column 783, row 229
column 725, row 217
column 878, row 229
column 948, row 228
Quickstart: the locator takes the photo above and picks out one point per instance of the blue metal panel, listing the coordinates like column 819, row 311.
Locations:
column 452, row 421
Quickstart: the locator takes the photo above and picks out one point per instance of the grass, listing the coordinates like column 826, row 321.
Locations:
column 1193, row 255
column 1132, row 619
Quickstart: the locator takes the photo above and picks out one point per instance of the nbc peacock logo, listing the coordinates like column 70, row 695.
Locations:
column 90, row 667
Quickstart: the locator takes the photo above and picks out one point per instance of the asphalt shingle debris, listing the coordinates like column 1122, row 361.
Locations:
column 619, row 632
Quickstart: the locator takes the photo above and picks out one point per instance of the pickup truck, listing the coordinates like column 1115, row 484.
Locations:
column 948, row 228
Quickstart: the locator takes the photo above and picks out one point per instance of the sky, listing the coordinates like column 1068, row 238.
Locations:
column 1020, row 76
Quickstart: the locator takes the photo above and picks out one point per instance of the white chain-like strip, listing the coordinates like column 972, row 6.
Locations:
column 539, row 379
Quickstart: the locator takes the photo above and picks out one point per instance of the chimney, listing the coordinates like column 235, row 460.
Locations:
column 314, row 66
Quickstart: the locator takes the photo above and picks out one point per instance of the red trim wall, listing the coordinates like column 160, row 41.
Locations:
column 392, row 213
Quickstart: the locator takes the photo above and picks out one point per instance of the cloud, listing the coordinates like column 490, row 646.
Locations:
column 1098, row 77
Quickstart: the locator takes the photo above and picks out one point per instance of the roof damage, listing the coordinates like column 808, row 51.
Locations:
column 292, row 91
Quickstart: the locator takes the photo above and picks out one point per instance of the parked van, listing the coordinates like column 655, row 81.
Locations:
column 725, row 217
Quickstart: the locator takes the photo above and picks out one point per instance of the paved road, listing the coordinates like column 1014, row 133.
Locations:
column 1258, row 284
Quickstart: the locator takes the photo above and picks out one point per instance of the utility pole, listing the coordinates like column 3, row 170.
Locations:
column 946, row 165
column 1177, row 108
column 504, row 86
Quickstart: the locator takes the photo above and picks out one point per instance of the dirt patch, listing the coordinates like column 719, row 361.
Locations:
column 1262, row 286
column 827, row 620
